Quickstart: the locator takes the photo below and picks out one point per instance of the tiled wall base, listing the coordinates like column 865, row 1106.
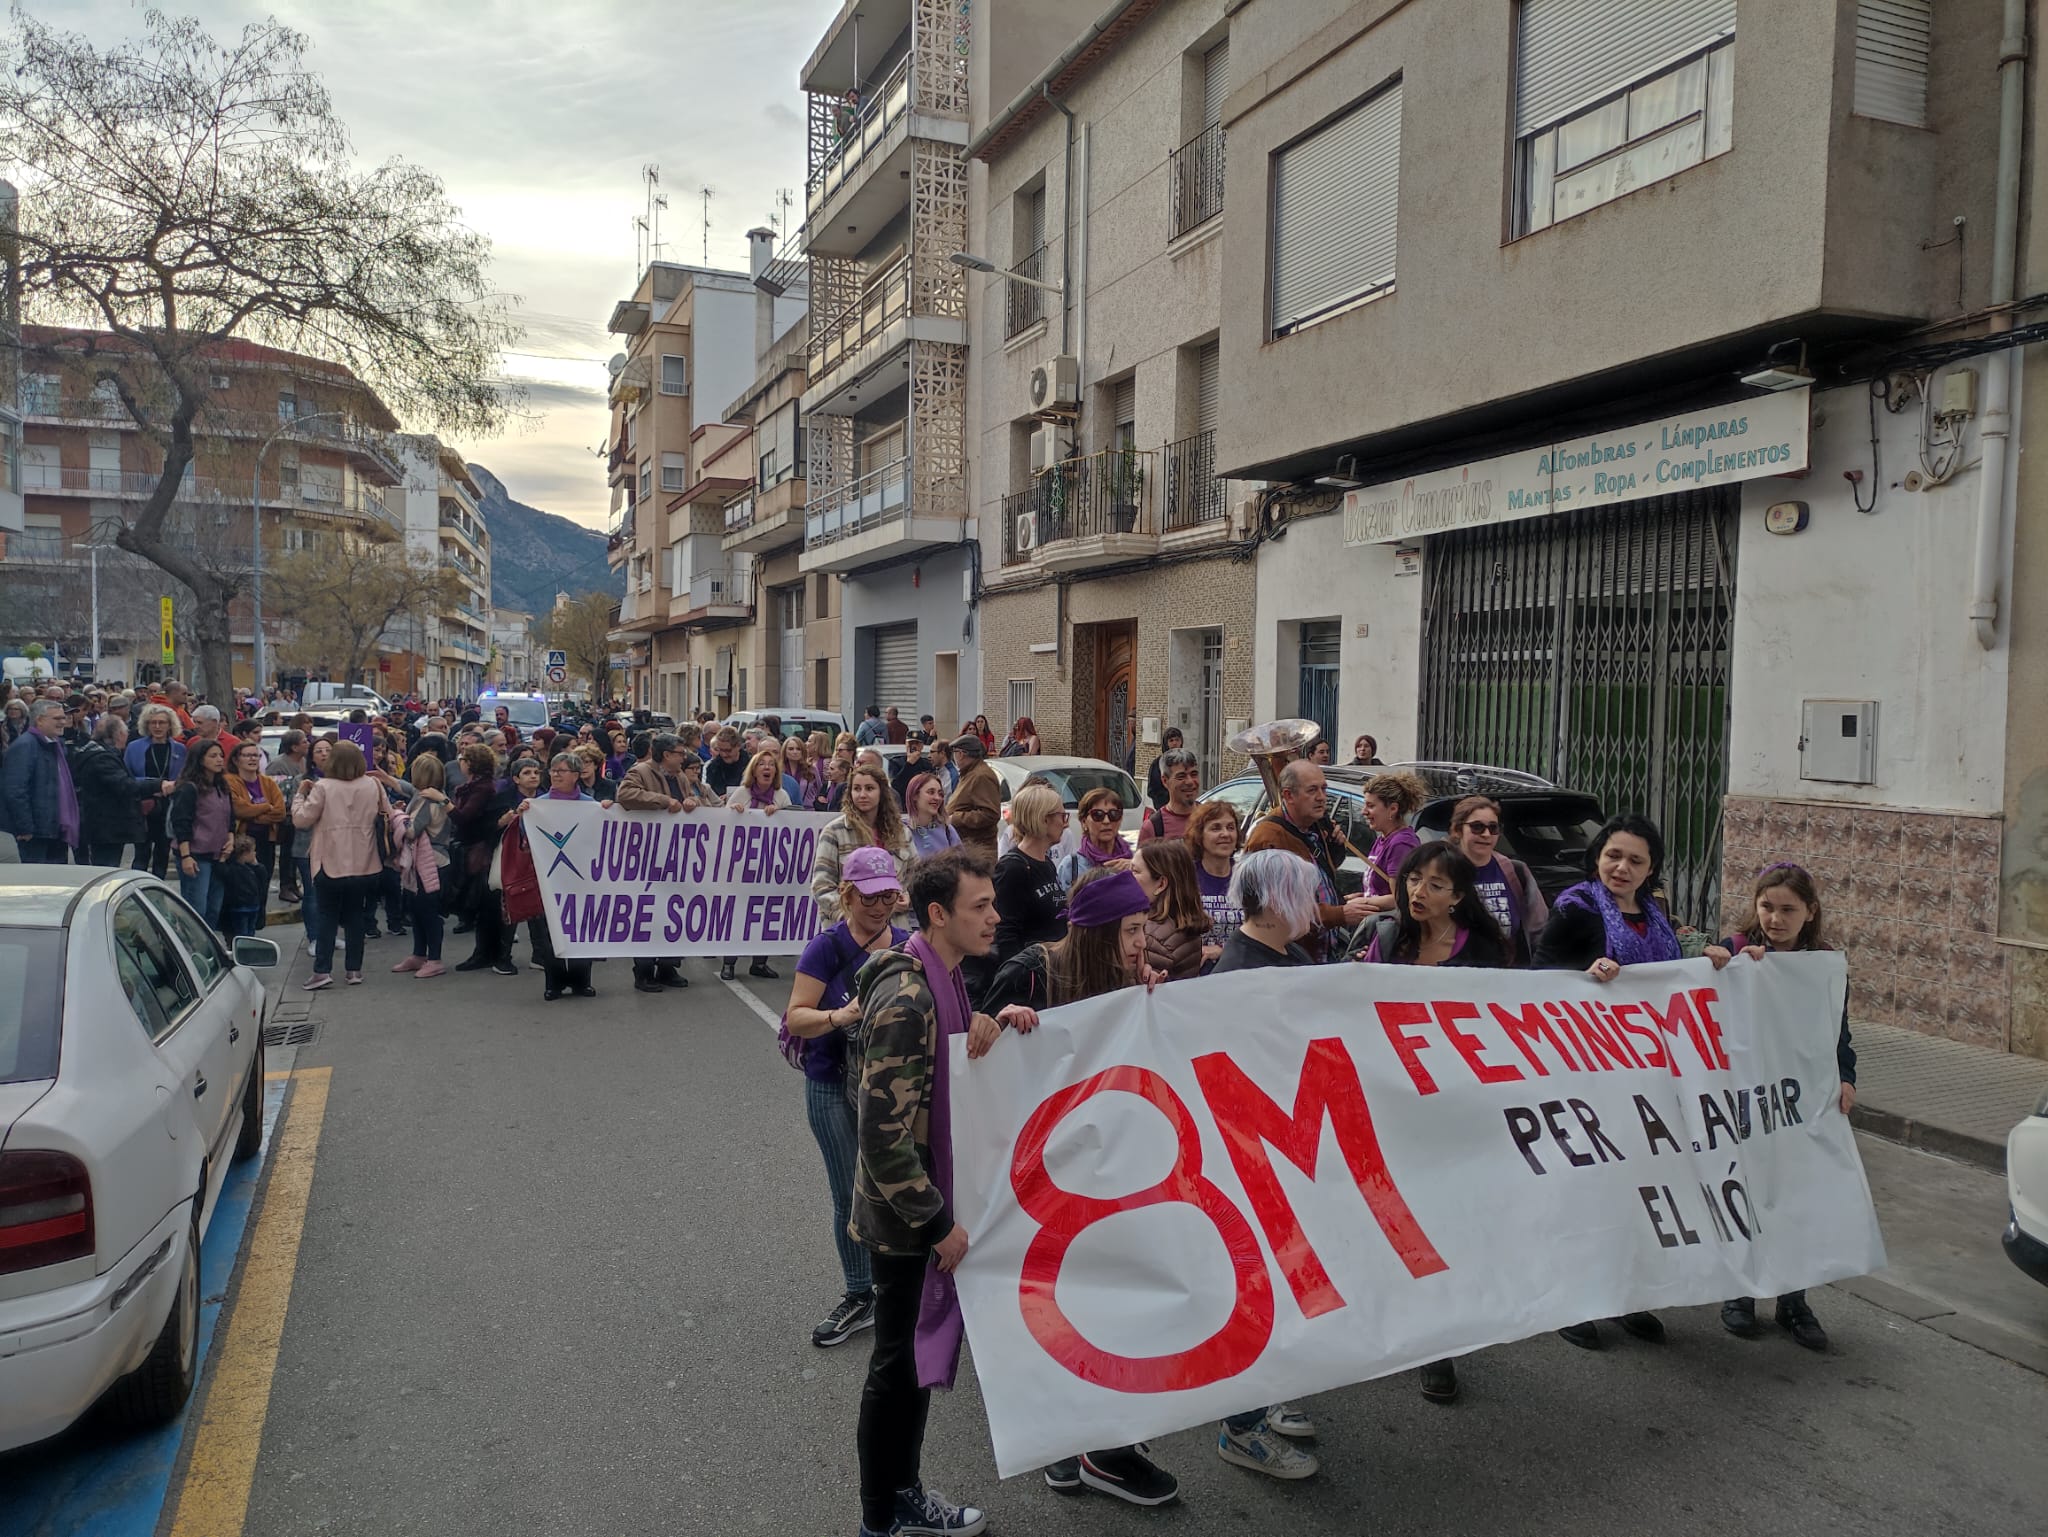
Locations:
column 1911, row 897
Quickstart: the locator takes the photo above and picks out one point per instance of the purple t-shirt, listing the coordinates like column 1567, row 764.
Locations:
column 1498, row 892
column 834, row 957
column 1389, row 851
column 1224, row 919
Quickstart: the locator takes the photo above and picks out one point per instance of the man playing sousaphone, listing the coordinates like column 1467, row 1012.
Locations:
column 1300, row 824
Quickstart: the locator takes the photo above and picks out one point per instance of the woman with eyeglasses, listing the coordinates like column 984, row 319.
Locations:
column 1102, row 846
column 1506, row 886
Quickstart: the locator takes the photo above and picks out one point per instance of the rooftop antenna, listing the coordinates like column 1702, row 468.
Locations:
column 649, row 222
column 708, row 194
column 784, row 199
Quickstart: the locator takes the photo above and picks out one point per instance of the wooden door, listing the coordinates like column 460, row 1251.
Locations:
column 1116, row 677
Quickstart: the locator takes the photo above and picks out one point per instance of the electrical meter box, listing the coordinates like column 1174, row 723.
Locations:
column 1838, row 740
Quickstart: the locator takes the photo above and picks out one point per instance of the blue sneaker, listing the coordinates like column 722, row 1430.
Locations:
column 922, row 1512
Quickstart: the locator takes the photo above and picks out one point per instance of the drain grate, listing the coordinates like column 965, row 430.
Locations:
column 296, row 1032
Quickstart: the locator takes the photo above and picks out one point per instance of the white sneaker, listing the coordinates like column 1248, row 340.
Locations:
column 1286, row 1420
column 1264, row 1452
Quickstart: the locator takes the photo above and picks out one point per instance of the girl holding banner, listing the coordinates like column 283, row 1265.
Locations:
column 760, row 789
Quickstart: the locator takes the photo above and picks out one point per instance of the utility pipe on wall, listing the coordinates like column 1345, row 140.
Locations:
column 1996, row 432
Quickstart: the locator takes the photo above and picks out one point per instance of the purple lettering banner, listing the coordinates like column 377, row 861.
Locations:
column 623, row 883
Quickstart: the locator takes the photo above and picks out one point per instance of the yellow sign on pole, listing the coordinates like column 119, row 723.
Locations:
column 170, row 639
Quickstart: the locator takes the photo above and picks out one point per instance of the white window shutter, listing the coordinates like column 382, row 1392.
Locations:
column 1336, row 209
column 1571, row 53
column 1893, row 38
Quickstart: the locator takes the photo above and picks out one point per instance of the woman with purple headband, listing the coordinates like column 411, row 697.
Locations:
column 1784, row 915
column 1598, row 927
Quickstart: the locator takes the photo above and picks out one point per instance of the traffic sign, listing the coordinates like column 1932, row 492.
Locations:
column 558, row 675
column 557, row 659
column 170, row 638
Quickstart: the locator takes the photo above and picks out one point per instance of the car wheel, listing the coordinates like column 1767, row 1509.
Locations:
column 250, row 1142
column 155, row 1392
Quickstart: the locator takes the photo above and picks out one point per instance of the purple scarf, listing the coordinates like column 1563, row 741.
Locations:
column 1624, row 944
column 940, row 1327
column 68, row 819
column 762, row 799
column 1092, row 855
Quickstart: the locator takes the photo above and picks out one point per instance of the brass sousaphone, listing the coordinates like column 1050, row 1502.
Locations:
column 1275, row 745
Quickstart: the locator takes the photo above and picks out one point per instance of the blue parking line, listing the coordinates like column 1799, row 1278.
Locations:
column 107, row 1484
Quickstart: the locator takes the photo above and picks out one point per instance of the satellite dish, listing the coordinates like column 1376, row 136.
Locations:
column 617, row 365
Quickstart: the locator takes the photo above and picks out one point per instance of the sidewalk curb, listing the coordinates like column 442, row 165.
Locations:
column 1943, row 1319
column 1984, row 1152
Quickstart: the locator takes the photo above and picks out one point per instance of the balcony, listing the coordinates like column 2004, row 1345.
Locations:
column 1086, row 512
column 367, row 448
column 766, row 520
column 863, row 350
column 1025, row 306
column 721, row 596
column 39, row 546
column 870, row 520
column 1194, row 495
column 1195, row 188
column 863, row 180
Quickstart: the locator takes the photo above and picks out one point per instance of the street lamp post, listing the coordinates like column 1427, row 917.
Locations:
column 982, row 264
column 256, row 535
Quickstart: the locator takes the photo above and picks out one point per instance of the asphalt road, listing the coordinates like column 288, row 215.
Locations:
column 560, row 1262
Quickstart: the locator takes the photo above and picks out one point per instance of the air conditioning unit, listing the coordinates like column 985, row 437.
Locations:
column 1244, row 517
column 1048, row 448
column 1027, row 531
column 1056, row 384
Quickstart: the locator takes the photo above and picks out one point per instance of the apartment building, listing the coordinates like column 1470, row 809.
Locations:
column 12, row 507
column 789, row 655
column 885, row 403
column 289, row 444
column 515, row 661
column 1118, row 593
column 1637, row 385
column 690, row 348
column 444, row 655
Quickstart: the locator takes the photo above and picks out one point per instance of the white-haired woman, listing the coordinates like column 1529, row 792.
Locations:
column 156, row 758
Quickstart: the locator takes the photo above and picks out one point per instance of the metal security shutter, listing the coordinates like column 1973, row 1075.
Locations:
column 1125, row 404
column 1892, row 40
column 1208, row 374
column 1336, row 203
column 1215, row 82
column 895, row 680
column 1570, row 53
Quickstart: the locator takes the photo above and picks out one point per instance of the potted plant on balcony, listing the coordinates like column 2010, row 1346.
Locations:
column 1127, row 482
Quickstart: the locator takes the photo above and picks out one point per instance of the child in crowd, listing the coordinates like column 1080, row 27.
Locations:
column 242, row 909
column 1784, row 915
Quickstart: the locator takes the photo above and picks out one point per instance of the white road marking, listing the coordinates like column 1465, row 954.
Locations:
column 766, row 1015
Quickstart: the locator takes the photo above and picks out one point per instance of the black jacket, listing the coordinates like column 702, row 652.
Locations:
column 109, row 797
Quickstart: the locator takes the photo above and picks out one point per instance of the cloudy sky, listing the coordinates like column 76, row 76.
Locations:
column 538, row 116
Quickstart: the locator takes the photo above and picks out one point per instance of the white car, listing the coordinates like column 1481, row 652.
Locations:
column 131, row 1075
column 2026, row 1186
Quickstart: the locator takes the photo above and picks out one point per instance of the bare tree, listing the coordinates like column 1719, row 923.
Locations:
column 342, row 604
column 582, row 629
column 179, row 193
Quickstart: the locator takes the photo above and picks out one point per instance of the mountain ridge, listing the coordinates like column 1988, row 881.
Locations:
column 536, row 554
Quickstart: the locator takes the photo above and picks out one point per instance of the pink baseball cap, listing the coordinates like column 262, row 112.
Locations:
column 872, row 871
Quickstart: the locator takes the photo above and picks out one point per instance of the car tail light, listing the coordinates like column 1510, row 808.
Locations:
column 45, row 1210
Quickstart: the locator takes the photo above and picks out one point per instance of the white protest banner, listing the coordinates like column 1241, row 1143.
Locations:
column 695, row 883
column 1246, row 1189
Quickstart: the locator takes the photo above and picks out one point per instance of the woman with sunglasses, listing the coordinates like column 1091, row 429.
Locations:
column 1102, row 847
column 1506, row 886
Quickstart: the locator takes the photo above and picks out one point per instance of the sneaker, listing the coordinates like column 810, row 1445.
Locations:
column 585, row 990
column 764, row 971
column 1064, row 1475
column 474, row 963
column 854, row 1313
column 1263, row 1452
column 550, row 994
column 535, row 966
column 1644, row 1326
column 922, row 1512
column 1130, row 1475
column 1738, row 1317
column 725, row 972
column 318, row 980
column 1797, row 1318
column 410, row 963
column 355, row 979
column 507, row 968
column 373, row 933
column 1440, row 1382
column 1586, row 1336
column 1286, row 1420
column 430, row 969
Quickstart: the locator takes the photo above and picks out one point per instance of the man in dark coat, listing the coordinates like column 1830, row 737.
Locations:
column 37, row 801
column 109, row 797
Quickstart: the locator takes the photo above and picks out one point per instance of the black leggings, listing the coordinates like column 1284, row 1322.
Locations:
column 153, row 853
column 561, row 975
column 893, row 1408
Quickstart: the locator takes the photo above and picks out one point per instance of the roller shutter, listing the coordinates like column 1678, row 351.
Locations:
column 1571, row 53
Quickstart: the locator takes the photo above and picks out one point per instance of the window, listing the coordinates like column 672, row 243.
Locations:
column 31, row 1016
column 1611, row 97
column 204, row 950
column 1892, row 40
column 820, row 685
column 823, row 592
column 782, row 448
column 1336, row 206
column 218, row 381
column 10, row 455
column 675, row 373
column 675, row 472
column 159, row 988
column 1197, row 183
column 40, row 394
column 287, row 406
column 1022, row 693
column 646, row 481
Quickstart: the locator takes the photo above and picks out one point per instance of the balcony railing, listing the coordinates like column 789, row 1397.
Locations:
column 861, row 130
column 1195, row 189
column 1193, row 493
column 1025, row 305
column 721, row 587
column 886, row 301
column 876, row 498
column 1088, row 498
column 739, row 514
column 38, row 545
